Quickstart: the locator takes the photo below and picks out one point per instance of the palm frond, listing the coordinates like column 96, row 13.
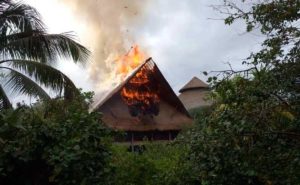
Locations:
column 26, row 51
column 19, row 17
column 45, row 75
column 40, row 46
column 4, row 101
column 4, row 4
column 20, row 84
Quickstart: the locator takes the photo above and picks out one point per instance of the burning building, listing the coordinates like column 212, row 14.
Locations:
column 144, row 106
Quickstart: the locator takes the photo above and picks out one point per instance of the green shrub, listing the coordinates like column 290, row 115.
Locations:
column 157, row 164
column 54, row 142
column 249, row 138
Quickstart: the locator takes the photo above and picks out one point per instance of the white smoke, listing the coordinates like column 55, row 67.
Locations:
column 110, row 24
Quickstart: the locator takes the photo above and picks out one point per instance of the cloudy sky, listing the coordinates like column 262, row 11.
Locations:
column 183, row 37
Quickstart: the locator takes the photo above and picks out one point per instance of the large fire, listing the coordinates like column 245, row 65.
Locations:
column 127, row 63
column 141, row 91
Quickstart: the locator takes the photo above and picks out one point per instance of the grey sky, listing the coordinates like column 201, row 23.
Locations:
column 179, row 36
column 184, row 40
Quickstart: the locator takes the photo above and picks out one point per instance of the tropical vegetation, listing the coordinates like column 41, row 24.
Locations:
column 249, row 135
column 28, row 54
column 252, row 135
column 54, row 143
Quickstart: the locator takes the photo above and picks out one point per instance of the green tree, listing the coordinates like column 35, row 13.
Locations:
column 252, row 135
column 157, row 164
column 54, row 142
column 28, row 52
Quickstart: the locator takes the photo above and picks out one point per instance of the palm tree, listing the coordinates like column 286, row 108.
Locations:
column 27, row 54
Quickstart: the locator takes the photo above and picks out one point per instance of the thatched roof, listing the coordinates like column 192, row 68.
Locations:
column 194, row 98
column 172, row 114
column 194, row 83
column 193, row 94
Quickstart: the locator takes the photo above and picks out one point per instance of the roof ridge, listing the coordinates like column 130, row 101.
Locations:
column 119, row 86
column 194, row 83
column 180, row 105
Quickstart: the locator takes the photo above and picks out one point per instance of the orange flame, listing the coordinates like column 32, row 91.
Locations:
column 141, row 91
column 130, row 61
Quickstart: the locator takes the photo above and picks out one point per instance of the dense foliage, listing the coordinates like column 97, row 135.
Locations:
column 252, row 135
column 54, row 143
column 156, row 164
column 246, row 139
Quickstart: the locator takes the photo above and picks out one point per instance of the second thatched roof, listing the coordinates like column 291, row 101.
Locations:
column 194, row 83
column 193, row 94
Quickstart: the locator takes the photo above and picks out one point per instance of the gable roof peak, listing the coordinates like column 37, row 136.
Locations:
column 194, row 83
column 166, row 88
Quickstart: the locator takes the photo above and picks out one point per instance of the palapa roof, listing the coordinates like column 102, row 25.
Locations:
column 193, row 94
column 172, row 114
column 194, row 83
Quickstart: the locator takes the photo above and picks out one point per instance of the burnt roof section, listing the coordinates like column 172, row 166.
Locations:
column 194, row 83
column 172, row 114
column 167, row 92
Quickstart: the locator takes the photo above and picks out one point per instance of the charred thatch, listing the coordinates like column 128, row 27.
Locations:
column 141, row 92
column 154, row 108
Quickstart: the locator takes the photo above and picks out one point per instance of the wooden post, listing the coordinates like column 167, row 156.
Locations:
column 170, row 136
column 132, row 140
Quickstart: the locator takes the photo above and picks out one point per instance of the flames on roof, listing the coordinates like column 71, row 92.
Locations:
column 141, row 92
column 144, row 101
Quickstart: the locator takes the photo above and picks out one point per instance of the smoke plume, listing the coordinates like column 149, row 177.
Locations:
column 110, row 25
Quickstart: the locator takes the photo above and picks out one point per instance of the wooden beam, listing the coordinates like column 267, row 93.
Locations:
column 132, row 141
